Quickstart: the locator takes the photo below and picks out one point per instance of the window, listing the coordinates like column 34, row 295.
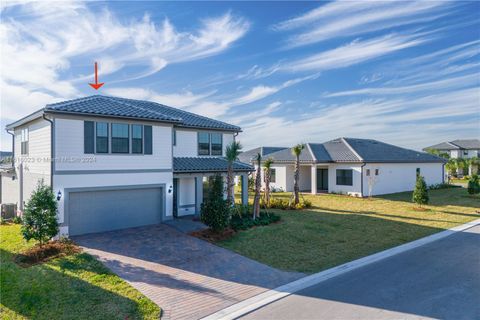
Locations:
column 273, row 175
column 344, row 177
column 137, row 138
column 203, row 144
column 377, row 171
column 174, row 137
column 368, row 172
column 120, row 138
column 418, row 171
column 216, row 140
column 101, row 139
column 24, row 140
column 465, row 152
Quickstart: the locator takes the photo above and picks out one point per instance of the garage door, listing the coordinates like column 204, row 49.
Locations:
column 98, row 211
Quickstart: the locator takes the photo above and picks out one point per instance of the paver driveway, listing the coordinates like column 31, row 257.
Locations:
column 187, row 277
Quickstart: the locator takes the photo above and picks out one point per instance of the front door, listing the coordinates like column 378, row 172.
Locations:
column 322, row 179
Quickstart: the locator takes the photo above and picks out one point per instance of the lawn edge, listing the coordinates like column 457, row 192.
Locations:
column 258, row 301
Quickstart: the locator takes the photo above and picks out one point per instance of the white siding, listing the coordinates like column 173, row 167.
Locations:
column 35, row 166
column 187, row 146
column 354, row 189
column 69, row 145
column 61, row 182
column 281, row 171
column 305, row 182
column 399, row 177
column 9, row 188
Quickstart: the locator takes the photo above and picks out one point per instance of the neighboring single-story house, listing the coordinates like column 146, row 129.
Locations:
column 358, row 167
column 461, row 148
column 116, row 163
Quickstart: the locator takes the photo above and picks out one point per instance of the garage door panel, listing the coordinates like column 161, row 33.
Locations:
column 104, row 210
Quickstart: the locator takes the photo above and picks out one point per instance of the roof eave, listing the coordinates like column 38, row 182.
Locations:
column 85, row 114
column 180, row 125
column 33, row 116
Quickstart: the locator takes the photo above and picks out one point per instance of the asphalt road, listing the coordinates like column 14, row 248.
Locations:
column 440, row 280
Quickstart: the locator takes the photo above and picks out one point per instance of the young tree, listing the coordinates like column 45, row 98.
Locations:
column 473, row 186
column 231, row 152
column 420, row 193
column 473, row 164
column 258, row 185
column 297, row 151
column 451, row 167
column 215, row 211
column 267, row 174
column 461, row 165
column 40, row 215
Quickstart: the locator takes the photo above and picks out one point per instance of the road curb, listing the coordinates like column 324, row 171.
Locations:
column 258, row 301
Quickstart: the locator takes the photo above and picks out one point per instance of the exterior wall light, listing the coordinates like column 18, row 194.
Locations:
column 59, row 195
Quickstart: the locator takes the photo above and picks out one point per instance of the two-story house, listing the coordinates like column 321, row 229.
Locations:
column 116, row 163
column 461, row 148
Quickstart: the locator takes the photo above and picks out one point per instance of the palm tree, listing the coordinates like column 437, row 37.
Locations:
column 297, row 151
column 461, row 165
column 258, row 185
column 473, row 164
column 451, row 167
column 231, row 154
column 267, row 174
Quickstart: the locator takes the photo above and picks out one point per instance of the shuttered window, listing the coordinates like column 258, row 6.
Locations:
column 24, row 141
column 120, row 138
column 88, row 137
column 137, row 138
column 147, row 131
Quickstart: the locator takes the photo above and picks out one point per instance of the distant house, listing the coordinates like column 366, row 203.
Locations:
column 465, row 148
column 358, row 167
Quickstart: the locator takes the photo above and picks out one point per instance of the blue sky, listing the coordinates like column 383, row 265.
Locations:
column 402, row 72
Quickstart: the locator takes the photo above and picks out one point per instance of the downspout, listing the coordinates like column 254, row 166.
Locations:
column 51, row 149
column 13, row 147
column 361, row 179
column 235, row 135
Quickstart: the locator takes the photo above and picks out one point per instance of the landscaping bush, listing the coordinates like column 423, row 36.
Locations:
column 473, row 186
column 215, row 211
column 40, row 215
column 420, row 193
column 284, row 204
column 439, row 186
column 17, row 220
column 246, row 222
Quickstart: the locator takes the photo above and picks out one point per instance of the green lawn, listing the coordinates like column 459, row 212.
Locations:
column 340, row 228
column 73, row 287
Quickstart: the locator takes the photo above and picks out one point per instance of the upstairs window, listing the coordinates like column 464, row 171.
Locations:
column 203, row 144
column 344, row 177
column 120, row 138
column 101, row 137
column 137, row 138
column 377, row 171
column 24, row 141
column 216, row 144
column 174, row 137
column 368, row 173
column 418, row 172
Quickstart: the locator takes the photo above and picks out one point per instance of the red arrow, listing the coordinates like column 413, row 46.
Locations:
column 96, row 85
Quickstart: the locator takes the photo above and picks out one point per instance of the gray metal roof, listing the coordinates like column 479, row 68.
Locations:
column 248, row 155
column 354, row 150
column 206, row 164
column 456, row 145
column 99, row 105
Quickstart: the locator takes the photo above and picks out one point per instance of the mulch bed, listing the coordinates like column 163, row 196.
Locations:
column 211, row 236
column 40, row 254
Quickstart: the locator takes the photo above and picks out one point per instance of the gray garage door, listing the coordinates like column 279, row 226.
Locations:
column 104, row 210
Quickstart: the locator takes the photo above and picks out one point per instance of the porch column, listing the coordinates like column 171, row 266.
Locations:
column 244, row 189
column 314, row 179
column 198, row 194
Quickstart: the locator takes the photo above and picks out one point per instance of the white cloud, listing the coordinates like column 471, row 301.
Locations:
column 341, row 19
column 353, row 53
column 441, row 85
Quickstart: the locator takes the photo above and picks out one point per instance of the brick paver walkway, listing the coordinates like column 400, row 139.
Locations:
column 187, row 277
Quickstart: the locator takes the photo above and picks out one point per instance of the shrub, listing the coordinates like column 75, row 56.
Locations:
column 246, row 222
column 473, row 186
column 40, row 215
column 442, row 186
column 17, row 220
column 420, row 194
column 215, row 211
